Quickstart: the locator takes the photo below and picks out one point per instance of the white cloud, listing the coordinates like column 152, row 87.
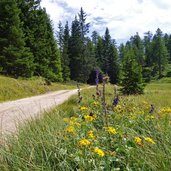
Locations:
column 123, row 17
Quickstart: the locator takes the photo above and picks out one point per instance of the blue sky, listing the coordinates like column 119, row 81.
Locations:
column 123, row 17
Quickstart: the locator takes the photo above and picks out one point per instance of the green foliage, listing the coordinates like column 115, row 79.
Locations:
column 65, row 56
column 160, row 53
column 11, row 89
column 132, row 76
column 49, row 143
column 28, row 47
column 16, row 59
column 80, row 49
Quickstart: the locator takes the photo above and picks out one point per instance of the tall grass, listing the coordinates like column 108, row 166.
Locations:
column 11, row 89
column 136, row 139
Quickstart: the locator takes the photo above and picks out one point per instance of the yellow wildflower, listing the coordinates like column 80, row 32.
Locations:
column 83, row 108
column 70, row 130
column 150, row 140
column 95, row 103
column 118, row 108
column 74, row 118
column 66, row 120
column 84, row 142
column 71, row 121
column 77, row 124
column 90, row 134
column 138, row 141
column 99, row 152
column 165, row 110
column 149, row 117
column 88, row 118
column 110, row 130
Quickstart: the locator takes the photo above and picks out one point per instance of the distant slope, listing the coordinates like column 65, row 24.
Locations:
column 11, row 89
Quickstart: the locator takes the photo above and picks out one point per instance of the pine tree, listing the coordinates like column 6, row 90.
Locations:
column 38, row 31
column 80, row 62
column 99, row 52
column 60, row 35
column 55, row 69
column 148, row 46
column 65, row 57
column 106, row 52
column 169, row 49
column 84, row 27
column 159, row 54
column 16, row 59
column 75, row 50
column 137, row 45
column 132, row 76
column 94, row 37
column 121, row 52
column 114, row 68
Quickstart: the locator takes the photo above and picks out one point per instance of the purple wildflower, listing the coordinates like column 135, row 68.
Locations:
column 115, row 101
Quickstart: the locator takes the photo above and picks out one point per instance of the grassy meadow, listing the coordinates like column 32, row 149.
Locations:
column 132, row 136
column 12, row 89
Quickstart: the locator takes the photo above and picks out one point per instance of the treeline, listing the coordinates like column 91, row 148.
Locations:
column 28, row 47
column 82, row 55
column 27, row 43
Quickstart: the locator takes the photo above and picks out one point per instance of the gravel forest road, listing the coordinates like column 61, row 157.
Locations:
column 14, row 112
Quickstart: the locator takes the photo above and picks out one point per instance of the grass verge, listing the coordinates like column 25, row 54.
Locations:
column 11, row 89
column 76, row 137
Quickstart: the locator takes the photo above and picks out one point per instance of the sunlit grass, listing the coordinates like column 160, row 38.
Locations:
column 11, row 89
column 133, row 140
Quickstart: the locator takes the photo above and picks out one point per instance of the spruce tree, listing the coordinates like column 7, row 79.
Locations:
column 106, row 52
column 55, row 69
column 114, row 66
column 159, row 54
column 65, row 56
column 99, row 52
column 75, row 50
column 16, row 59
column 138, row 47
column 131, row 81
column 38, row 31
column 80, row 62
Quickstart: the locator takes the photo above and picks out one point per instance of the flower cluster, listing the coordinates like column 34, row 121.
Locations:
column 139, row 141
column 70, row 130
column 89, row 118
column 99, row 152
column 150, row 140
column 84, row 142
column 90, row 134
column 110, row 130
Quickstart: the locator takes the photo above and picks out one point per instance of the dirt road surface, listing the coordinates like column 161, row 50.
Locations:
column 14, row 112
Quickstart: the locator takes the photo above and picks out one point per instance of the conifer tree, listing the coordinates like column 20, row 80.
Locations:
column 60, row 35
column 106, row 52
column 38, row 31
column 99, row 52
column 65, row 57
column 80, row 63
column 132, row 77
column 55, row 69
column 16, row 59
column 159, row 54
column 137, row 45
column 114, row 66
column 75, row 50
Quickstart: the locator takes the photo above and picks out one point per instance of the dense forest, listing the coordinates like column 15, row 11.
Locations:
column 29, row 46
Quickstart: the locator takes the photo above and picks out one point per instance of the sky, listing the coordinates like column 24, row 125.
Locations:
column 124, row 18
